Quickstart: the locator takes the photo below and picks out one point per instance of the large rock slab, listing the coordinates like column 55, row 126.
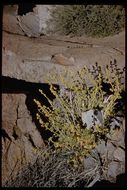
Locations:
column 31, row 59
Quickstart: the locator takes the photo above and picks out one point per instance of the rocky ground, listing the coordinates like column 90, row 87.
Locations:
column 32, row 59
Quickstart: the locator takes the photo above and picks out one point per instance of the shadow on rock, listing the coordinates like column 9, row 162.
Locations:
column 31, row 90
column 120, row 182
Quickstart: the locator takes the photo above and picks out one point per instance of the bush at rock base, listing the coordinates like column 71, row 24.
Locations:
column 81, row 92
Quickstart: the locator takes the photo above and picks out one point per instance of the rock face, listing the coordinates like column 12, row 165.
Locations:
column 19, row 135
column 107, row 160
column 9, row 20
column 32, row 24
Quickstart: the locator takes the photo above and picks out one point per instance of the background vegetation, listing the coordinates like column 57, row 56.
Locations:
column 91, row 20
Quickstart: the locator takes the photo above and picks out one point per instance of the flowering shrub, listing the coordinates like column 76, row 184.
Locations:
column 82, row 91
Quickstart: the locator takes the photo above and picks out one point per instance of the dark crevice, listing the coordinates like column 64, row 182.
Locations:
column 106, row 87
column 15, row 135
column 120, row 182
column 25, row 8
column 5, row 135
column 32, row 107
column 15, row 86
column 31, row 141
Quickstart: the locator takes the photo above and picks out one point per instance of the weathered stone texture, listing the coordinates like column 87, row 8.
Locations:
column 18, row 129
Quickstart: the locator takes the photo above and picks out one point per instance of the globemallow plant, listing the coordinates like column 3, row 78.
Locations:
column 82, row 91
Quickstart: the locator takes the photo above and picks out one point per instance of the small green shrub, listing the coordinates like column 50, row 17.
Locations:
column 92, row 20
column 64, row 116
